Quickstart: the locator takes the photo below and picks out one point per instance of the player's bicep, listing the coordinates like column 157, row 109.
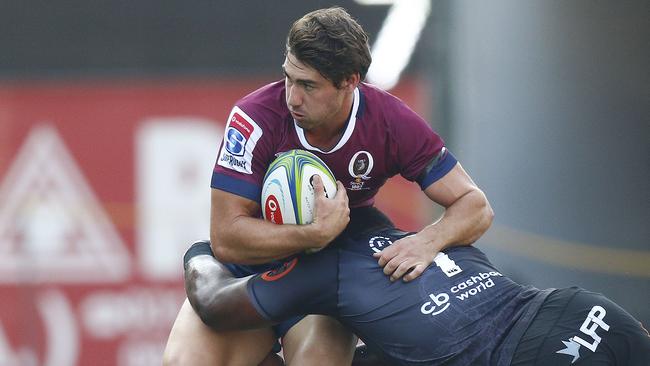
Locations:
column 225, row 209
column 226, row 206
column 453, row 185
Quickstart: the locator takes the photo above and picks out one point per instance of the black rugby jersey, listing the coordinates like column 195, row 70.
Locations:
column 460, row 311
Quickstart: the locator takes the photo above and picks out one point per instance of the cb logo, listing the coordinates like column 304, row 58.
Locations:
column 437, row 305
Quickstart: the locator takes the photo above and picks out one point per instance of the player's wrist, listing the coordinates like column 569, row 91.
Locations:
column 316, row 236
column 432, row 238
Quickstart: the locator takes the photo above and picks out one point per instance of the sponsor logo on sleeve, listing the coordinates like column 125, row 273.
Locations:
column 240, row 138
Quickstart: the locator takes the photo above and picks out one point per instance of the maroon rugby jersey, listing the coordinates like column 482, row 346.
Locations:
column 383, row 137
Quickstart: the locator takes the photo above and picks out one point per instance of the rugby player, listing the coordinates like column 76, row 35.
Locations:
column 460, row 311
column 365, row 135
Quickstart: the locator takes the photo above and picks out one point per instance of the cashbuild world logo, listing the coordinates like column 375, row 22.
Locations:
column 461, row 291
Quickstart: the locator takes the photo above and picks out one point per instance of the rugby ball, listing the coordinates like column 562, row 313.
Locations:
column 287, row 191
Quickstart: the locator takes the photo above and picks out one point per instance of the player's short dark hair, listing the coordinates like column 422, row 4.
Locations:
column 332, row 42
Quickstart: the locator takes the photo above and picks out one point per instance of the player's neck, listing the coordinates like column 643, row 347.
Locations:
column 326, row 136
column 323, row 140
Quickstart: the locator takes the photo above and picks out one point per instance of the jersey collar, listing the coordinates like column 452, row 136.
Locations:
column 349, row 128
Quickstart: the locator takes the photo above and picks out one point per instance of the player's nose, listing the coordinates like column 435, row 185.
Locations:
column 294, row 99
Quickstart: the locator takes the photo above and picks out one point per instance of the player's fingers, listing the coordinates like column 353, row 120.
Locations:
column 392, row 265
column 383, row 257
column 415, row 272
column 403, row 268
column 341, row 192
column 386, row 255
column 317, row 183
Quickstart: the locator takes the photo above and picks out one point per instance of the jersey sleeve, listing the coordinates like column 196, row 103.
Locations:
column 419, row 152
column 245, row 151
column 306, row 284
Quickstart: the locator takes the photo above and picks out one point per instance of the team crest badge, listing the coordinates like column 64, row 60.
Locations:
column 359, row 168
column 378, row 243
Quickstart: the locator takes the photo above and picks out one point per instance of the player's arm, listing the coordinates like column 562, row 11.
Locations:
column 238, row 236
column 467, row 216
column 219, row 299
column 304, row 285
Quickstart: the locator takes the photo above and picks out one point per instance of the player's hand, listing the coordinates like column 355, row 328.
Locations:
column 331, row 215
column 407, row 258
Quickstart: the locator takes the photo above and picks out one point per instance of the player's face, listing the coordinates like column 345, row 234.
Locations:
column 312, row 99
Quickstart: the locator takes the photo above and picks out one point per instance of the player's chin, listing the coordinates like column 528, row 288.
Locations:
column 304, row 123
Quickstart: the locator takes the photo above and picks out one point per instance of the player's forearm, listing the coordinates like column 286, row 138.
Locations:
column 462, row 223
column 248, row 240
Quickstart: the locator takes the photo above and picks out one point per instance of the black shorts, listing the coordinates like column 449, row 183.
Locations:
column 578, row 327
column 240, row 270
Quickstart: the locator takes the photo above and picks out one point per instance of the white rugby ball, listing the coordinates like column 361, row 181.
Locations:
column 287, row 192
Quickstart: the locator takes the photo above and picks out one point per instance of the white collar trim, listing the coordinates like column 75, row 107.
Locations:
column 346, row 135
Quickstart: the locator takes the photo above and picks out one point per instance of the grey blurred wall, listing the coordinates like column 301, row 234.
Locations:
column 546, row 103
column 153, row 38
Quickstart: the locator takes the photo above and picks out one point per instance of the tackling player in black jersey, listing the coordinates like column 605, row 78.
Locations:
column 461, row 311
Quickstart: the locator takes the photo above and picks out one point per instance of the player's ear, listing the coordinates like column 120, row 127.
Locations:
column 351, row 82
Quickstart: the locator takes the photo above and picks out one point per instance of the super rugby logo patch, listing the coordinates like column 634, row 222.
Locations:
column 240, row 138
